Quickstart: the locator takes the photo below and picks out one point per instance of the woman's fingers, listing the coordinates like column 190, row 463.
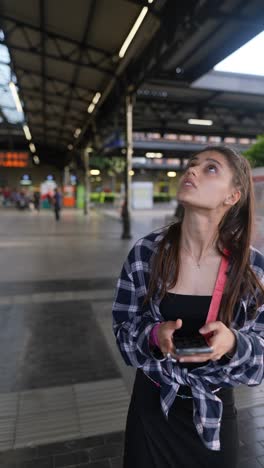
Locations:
column 165, row 332
column 178, row 324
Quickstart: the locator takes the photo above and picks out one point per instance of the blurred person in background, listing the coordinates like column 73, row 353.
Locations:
column 57, row 199
column 22, row 200
column 6, row 192
column 36, row 200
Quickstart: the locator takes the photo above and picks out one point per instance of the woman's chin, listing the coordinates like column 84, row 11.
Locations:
column 184, row 198
column 191, row 203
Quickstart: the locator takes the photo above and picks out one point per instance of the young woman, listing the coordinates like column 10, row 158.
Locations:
column 182, row 411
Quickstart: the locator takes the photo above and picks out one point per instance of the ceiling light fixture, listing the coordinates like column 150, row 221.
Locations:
column 200, row 122
column 171, row 174
column 15, row 95
column 154, row 155
column 94, row 172
column 96, row 98
column 77, row 132
column 91, row 108
column 133, row 32
column 27, row 132
column 32, row 147
column 36, row 159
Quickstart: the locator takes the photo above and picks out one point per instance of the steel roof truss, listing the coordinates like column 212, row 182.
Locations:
column 89, row 19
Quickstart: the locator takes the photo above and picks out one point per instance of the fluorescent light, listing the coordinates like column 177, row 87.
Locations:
column 200, row 122
column 36, row 159
column 94, row 172
column 91, row 108
column 77, row 132
column 133, row 32
column 171, row 174
column 154, row 155
column 32, row 147
column 15, row 95
column 70, row 147
column 96, row 98
column 27, row 132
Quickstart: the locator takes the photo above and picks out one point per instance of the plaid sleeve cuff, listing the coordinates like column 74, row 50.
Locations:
column 153, row 344
column 243, row 349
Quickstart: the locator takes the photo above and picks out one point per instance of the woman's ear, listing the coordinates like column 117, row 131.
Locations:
column 233, row 198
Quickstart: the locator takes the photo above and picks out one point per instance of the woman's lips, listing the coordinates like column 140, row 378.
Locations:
column 188, row 184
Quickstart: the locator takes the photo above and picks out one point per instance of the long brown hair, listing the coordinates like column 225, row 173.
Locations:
column 234, row 234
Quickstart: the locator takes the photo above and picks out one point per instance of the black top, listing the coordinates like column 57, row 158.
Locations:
column 192, row 310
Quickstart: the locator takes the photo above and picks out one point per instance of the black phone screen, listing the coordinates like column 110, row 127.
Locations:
column 191, row 345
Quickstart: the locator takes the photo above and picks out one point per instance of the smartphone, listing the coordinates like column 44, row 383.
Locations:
column 186, row 346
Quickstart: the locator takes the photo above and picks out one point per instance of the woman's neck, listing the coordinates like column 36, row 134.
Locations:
column 199, row 233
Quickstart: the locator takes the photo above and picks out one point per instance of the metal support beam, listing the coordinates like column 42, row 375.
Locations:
column 16, row 24
column 139, row 2
column 126, row 210
column 63, row 58
column 43, row 65
column 27, row 72
column 89, row 20
column 86, row 204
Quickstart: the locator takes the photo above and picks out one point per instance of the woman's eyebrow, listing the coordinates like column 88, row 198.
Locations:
column 214, row 160
column 195, row 158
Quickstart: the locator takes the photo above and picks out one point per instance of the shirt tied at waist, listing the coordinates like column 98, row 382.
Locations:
column 208, row 428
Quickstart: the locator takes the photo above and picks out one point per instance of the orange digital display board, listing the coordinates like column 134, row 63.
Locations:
column 13, row 159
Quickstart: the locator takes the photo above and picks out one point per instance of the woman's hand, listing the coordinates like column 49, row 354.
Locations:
column 222, row 341
column 164, row 333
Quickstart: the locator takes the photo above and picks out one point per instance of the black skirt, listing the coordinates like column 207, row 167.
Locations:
column 151, row 441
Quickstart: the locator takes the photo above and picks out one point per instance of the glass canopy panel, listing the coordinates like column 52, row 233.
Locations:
column 7, row 103
column 247, row 59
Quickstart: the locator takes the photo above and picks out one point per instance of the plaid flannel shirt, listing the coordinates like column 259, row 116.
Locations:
column 133, row 322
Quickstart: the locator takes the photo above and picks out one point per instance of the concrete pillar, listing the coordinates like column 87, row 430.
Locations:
column 66, row 175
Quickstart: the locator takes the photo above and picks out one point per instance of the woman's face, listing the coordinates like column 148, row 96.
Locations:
column 207, row 182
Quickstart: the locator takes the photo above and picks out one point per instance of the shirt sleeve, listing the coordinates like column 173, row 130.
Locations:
column 132, row 321
column 247, row 364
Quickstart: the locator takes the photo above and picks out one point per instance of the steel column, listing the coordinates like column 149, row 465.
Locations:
column 86, row 205
column 126, row 210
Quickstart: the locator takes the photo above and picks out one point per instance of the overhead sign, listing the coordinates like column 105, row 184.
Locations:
column 25, row 180
column 13, row 159
column 142, row 195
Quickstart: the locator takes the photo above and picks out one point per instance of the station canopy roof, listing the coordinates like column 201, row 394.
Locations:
column 68, row 64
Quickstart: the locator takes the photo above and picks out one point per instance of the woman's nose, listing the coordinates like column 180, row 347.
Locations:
column 192, row 170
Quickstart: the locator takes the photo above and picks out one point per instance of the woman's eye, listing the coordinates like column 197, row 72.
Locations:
column 212, row 168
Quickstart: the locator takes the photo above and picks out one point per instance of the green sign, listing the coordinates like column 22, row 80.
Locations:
column 80, row 196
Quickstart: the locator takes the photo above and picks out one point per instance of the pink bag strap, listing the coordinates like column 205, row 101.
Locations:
column 218, row 290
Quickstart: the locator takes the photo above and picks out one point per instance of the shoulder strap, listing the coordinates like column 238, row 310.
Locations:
column 218, row 291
